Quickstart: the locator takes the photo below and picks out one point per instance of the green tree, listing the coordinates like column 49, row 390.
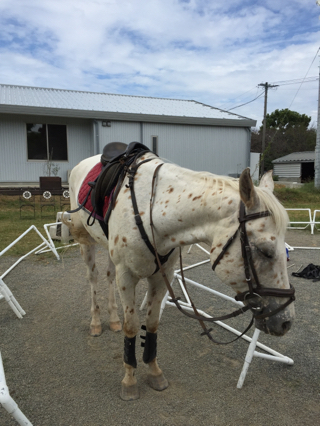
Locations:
column 287, row 131
column 285, row 119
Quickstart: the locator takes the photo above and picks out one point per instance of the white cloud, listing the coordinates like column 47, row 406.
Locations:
column 212, row 52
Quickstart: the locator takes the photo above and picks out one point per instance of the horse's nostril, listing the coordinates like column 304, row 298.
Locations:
column 286, row 325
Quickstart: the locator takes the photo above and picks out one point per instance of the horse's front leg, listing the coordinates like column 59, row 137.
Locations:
column 156, row 292
column 126, row 285
column 114, row 321
column 88, row 255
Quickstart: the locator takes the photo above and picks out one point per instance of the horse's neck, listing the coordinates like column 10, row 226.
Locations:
column 189, row 205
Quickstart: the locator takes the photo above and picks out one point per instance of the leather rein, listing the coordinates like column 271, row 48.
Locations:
column 249, row 268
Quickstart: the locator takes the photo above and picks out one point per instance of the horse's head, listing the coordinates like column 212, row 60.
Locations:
column 254, row 263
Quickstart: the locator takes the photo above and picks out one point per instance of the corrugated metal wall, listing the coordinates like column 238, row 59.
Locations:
column 220, row 150
column 14, row 165
column 287, row 170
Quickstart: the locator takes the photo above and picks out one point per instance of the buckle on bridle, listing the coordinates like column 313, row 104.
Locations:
column 252, row 294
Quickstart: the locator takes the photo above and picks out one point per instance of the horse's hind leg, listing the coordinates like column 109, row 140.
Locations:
column 156, row 292
column 88, row 255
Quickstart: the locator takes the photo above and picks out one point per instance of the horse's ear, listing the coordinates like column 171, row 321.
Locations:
column 267, row 181
column 247, row 192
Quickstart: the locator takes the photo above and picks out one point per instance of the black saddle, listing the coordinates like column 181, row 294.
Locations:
column 116, row 159
column 112, row 150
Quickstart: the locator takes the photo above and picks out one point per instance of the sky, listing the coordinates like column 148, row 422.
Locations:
column 212, row 51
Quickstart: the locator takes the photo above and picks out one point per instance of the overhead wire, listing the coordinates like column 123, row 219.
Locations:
column 284, row 83
column 252, row 100
column 305, row 77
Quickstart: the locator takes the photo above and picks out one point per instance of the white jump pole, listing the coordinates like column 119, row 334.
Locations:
column 8, row 402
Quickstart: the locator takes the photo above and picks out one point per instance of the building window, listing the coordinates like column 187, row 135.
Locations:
column 155, row 144
column 47, row 142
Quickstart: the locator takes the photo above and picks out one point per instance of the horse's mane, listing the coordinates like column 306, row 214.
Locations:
column 268, row 201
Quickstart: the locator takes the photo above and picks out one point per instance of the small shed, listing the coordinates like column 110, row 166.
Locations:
column 295, row 167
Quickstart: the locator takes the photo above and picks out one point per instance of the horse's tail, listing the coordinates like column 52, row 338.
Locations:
column 77, row 230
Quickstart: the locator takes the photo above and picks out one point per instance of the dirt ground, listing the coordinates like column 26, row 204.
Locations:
column 59, row 375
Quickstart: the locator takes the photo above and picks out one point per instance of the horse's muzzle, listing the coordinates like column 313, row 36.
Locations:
column 278, row 324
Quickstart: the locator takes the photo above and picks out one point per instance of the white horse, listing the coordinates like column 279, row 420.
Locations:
column 189, row 207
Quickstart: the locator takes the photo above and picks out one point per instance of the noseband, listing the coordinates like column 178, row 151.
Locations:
column 250, row 270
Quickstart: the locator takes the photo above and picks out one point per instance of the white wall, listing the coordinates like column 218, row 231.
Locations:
column 219, row 150
column 14, row 164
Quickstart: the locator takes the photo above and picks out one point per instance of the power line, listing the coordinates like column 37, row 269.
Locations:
column 296, row 81
column 305, row 77
column 246, row 102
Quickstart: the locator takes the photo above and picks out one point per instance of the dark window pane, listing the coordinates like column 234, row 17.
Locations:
column 37, row 141
column 155, row 144
column 57, row 135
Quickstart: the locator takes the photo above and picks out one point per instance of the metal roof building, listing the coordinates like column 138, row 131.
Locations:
column 73, row 125
column 295, row 167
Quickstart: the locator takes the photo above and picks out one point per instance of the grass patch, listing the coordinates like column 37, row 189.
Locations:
column 306, row 197
column 12, row 226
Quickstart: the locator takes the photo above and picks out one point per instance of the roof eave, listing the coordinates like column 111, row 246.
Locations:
column 121, row 116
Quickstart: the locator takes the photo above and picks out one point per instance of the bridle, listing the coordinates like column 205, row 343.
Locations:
column 250, row 270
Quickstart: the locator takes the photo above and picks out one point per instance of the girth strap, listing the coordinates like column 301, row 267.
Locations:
column 131, row 174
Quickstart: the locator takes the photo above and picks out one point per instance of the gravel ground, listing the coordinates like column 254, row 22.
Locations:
column 59, row 375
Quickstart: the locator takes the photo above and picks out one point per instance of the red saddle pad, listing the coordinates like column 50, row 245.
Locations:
column 85, row 188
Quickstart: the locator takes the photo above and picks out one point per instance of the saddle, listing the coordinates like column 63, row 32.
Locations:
column 116, row 159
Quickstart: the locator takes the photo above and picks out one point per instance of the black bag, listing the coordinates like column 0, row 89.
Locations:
column 310, row 272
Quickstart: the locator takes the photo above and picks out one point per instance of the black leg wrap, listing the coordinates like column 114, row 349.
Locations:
column 130, row 351
column 150, row 347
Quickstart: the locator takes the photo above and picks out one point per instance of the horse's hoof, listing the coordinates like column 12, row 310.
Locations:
column 158, row 383
column 115, row 326
column 95, row 330
column 129, row 393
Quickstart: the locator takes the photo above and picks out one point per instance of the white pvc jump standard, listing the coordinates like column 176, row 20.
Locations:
column 306, row 223
column 272, row 356
column 8, row 402
column 314, row 219
column 12, row 301
column 51, row 243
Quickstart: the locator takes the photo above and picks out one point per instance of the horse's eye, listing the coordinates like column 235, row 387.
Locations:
column 268, row 253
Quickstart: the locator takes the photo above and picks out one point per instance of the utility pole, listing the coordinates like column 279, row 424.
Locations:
column 317, row 150
column 266, row 86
